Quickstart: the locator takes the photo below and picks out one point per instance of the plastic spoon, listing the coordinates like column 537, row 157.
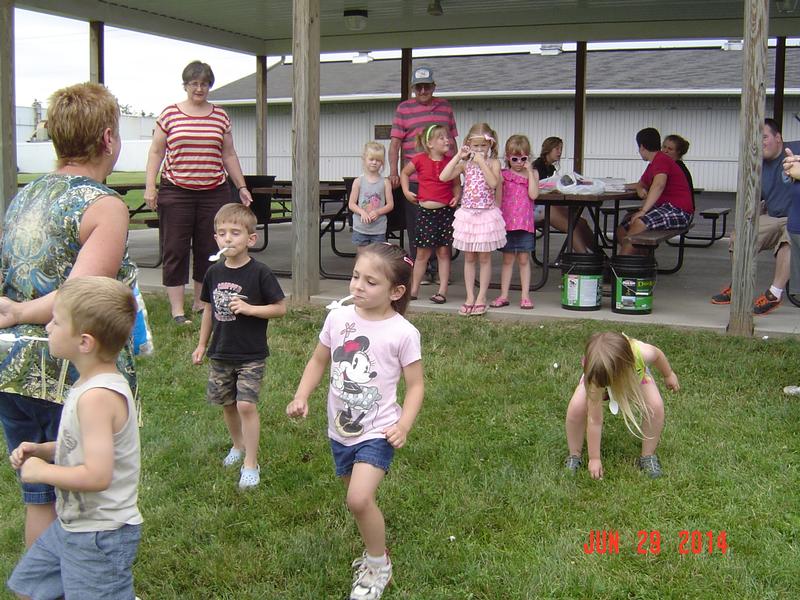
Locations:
column 218, row 255
column 10, row 338
column 339, row 303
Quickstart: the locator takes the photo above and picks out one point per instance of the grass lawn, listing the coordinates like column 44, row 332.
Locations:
column 478, row 505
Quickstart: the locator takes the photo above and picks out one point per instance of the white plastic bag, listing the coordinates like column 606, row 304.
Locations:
column 549, row 183
column 575, row 183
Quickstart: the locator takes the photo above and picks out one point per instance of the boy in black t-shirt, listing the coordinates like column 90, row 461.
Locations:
column 240, row 296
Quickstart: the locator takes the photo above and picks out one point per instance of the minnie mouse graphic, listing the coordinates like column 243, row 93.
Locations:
column 352, row 371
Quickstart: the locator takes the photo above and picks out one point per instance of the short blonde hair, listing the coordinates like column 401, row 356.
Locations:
column 374, row 150
column 101, row 307
column 238, row 214
column 426, row 133
column 77, row 116
column 518, row 144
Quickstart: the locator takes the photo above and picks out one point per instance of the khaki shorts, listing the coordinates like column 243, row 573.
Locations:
column 231, row 382
column 771, row 234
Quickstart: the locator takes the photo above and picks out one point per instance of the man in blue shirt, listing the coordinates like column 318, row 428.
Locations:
column 775, row 201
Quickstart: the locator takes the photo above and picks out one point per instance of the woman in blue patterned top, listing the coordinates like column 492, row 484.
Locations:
column 62, row 225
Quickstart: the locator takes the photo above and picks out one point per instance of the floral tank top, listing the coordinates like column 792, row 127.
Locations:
column 477, row 193
column 38, row 248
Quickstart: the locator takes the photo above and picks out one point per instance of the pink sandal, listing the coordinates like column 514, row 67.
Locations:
column 465, row 310
column 500, row 302
column 525, row 304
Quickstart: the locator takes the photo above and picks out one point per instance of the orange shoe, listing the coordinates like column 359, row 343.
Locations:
column 724, row 297
column 765, row 304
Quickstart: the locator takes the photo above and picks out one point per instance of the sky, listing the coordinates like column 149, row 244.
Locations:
column 144, row 71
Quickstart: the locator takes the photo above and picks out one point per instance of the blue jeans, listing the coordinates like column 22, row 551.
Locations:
column 365, row 239
column 376, row 452
column 94, row 564
column 27, row 419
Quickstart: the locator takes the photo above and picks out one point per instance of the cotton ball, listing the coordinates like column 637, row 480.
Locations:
column 555, row 365
column 452, row 538
column 766, row 337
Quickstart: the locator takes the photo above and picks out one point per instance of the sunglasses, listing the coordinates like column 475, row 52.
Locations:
column 518, row 159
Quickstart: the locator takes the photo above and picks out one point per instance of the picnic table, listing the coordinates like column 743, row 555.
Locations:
column 275, row 206
column 576, row 204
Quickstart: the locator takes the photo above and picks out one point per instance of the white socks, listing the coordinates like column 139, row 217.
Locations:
column 777, row 292
column 377, row 561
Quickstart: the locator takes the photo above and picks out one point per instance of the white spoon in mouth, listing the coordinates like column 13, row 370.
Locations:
column 218, row 255
column 10, row 338
column 339, row 303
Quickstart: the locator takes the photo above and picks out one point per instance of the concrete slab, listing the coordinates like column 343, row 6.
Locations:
column 680, row 300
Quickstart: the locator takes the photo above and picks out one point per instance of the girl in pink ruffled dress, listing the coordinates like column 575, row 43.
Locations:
column 478, row 226
column 520, row 189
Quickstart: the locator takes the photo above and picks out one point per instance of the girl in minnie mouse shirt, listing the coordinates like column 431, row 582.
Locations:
column 369, row 345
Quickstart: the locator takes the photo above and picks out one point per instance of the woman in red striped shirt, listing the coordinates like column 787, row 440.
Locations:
column 194, row 136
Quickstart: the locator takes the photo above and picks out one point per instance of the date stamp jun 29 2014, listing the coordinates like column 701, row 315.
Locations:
column 652, row 542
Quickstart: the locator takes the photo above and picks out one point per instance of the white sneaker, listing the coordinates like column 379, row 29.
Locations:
column 249, row 478
column 792, row 390
column 371, row 581
column 359, row 565
column 234, row 456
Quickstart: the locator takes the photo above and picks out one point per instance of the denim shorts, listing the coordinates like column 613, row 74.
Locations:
column 27, row 419
column 519, row 240
column 95, row 564
column 232, row 382
column 365, row 239
column 376, row 452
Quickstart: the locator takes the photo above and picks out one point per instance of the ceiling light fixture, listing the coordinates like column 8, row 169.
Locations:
column 362, row 58
column 551, row 49
column 435, row 8
column 355, row 19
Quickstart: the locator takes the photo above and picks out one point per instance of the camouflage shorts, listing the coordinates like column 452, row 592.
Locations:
column 231, row 382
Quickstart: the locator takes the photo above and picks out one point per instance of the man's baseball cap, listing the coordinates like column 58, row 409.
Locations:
column 422, row 75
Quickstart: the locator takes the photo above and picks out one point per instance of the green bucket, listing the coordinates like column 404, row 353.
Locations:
column 582, row 279
column 634, row 281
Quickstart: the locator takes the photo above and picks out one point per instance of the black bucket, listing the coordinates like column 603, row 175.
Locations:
column 582, row 279
column 634, row 280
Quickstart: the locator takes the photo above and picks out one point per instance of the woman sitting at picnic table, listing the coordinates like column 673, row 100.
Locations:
column 62, row 225
column 664, row 190
column 195, row 136
column 546, row 166
column 676, row 148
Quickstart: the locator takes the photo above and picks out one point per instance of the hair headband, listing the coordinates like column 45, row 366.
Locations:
column 428, row 131
column 484, row 136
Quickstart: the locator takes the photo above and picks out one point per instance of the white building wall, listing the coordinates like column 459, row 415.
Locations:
column 710, row 124
column 26, row 122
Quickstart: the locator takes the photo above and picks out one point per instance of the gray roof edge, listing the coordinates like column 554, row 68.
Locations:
column 520, row 94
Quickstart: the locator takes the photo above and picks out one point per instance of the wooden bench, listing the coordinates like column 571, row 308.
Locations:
column 713, row 214
column 651, row 238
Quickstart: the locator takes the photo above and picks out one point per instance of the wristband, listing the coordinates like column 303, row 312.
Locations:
column 241, row 187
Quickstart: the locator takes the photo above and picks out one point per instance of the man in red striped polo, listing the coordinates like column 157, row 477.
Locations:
column 411, row 117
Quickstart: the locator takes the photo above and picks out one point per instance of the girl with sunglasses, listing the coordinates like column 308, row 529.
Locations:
column 520, row 190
